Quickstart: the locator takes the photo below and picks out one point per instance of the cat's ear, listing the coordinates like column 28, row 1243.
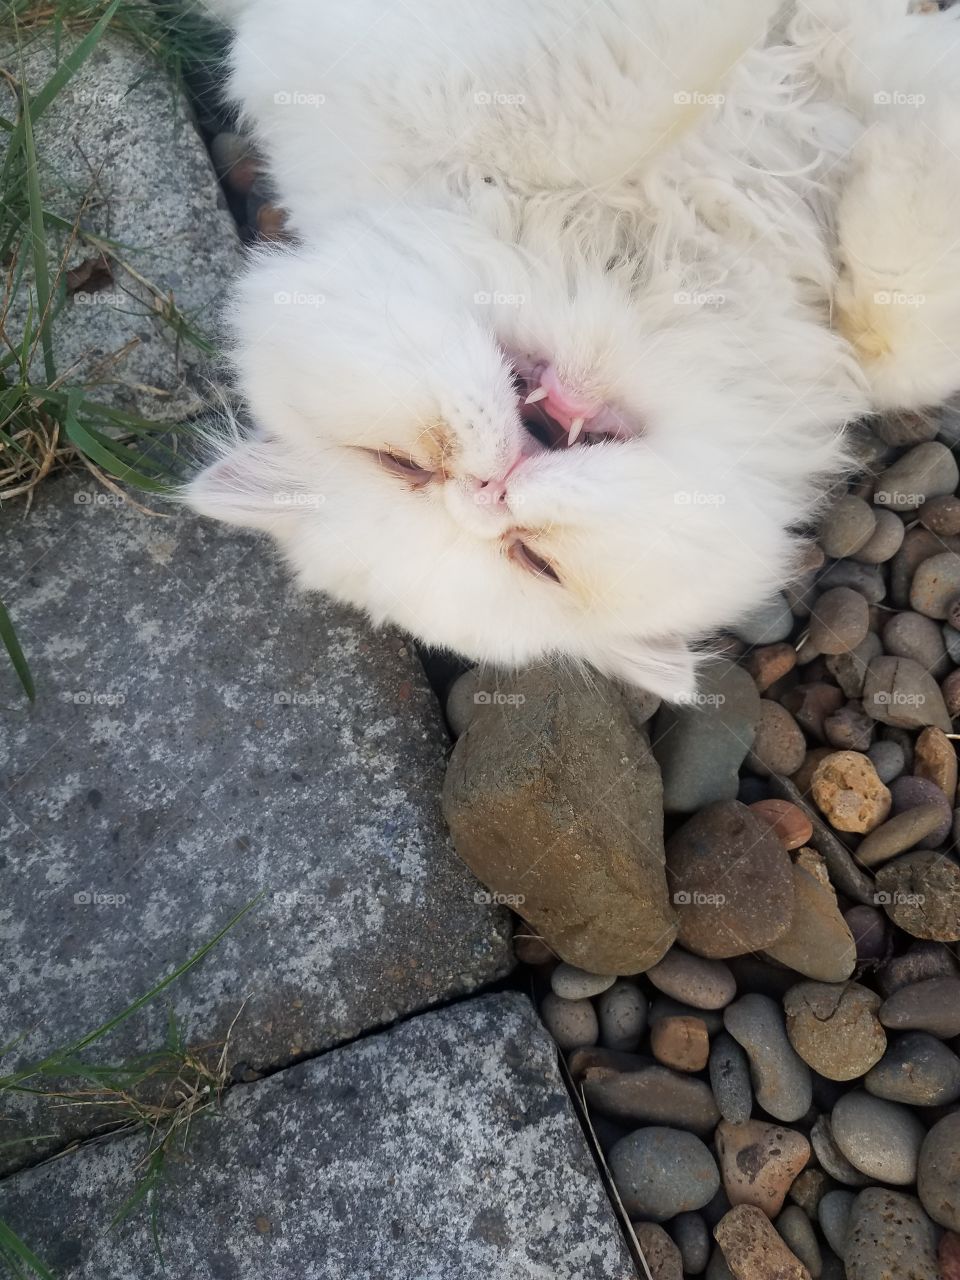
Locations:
column 248, row 485
column 667, row 668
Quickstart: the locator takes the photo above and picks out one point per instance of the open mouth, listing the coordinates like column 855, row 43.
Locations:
column 556, row 420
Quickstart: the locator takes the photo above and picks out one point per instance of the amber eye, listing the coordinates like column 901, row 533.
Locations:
column 405, row 468
column 530, row 562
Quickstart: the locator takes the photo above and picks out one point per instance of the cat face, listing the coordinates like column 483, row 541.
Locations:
column 414, row 460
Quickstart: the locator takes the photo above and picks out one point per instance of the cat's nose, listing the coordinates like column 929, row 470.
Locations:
column 489, row 493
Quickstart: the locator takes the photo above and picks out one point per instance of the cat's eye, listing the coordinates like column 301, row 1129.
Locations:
column 530, row 562
column 405, row 468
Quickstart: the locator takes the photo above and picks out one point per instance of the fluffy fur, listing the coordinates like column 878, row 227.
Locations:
column 705, row 239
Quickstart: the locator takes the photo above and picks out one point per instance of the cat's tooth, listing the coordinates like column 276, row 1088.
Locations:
column 541, row 393
column 576, row 426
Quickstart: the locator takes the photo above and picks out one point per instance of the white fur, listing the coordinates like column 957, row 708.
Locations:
column 648, row 195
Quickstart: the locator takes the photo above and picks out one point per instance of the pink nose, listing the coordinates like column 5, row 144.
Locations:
column 489, row 493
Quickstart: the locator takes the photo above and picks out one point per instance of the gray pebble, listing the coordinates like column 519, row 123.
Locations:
column 460, row 701
column 571, row 983
column 850, row 669
column 888, row 760
column 932, row 1005
column 925, row 471
column 951, row 638
column 882, row 1139
column 773, row 621
column 718, row 1269
column 730, row 1079
column 901, row 429
column 832, row 1158
column 938, row 1182
column 898, row 691
column 647, row 1093
column 705, row 984
column 781, row 1079
column 886, row 540
column 833, row 1214
column 899, row 833
column 661, row 1172
column 849, row 729
column 936, row 584
column 692, row 1238
column 869, row 928
column 866, row 579
column 799, row 1236
column 917, row 1070
column 622, row 1013
column 923, row 960
column 911, row 635
column 890, row 1235
column 572, row 1023
column 840, row 620
column 847, row 526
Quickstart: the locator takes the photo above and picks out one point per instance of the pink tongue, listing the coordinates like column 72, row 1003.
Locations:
column 562, row 405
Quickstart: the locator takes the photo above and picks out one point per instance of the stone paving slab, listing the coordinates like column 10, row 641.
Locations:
column 444, row 1148
column 118, row 148
column 202, row 733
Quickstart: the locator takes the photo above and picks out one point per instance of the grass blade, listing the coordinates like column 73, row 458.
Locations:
column 12, row 645
column 38, row 240
column 15, row 1250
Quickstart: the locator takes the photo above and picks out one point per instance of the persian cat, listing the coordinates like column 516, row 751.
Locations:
column 580, row 299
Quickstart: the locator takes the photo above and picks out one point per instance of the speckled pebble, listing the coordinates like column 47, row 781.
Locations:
column 622, row 1014
column 704, row 984
column 730, row 1079
column 919, row 962
column 759, row 1161
column 941, row 515
column 792, row 826
column 834, row 1027
column 572, row 1023
column 867, row 579
column 770, row 663
column 917, row 1070
column 833, row 1214
column 818, row 943
column 850, row 728
column 571, row 983
column 660, row 1172
column 882, row 1139
column 850, row 669
column 935, row 760
column 680, row 1043
column 781, row 1079
column 753, row 1249
column 911, row 635
column 778, row 745
column 936, row 584
column 948, row 1255
column 938, row 1178
column 839, row 621
column 920, row 892
column 849, row 794
column 659, row 1252
column 890, row 1236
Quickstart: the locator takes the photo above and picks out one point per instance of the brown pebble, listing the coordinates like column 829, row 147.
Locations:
column 951, row 693
column 903, row 831
column 659, row 1252
column 804, row 775
column 681, row 1043
column 272, row 222
column 759, row 1161
column 753, row 1250
column 840, row 620
column 811, row 703
column 848, row 792
column 949, row 1256
column 941, row 515
column 850, row 728
column 770, row 663
column 791, row 824
column 778, row 743
column 530, row 948
column 935, row 759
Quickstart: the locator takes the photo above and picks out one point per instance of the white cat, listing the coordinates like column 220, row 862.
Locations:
column 583, row 297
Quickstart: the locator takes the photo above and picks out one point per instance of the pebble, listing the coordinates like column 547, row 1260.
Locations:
column 730, row 880
column 234, row 160
column 865, row 579
column 833, row 1213
column 832, row 1158
column 572, row 1023
column 804, row 775
column 730, row 1079
column 839, row 621
column 926, row 471
column 529, row 947
column 572, row 983
column 869, row 929
column 651, row 1095
column 718, row 1269
column 800, row 1238
column 752, row 1248
column 921, row 894
column 660, row 1172
column 847, row 526
column 768, row 624
column 918, row 545
column 849, row 879
column 659, row 1252
column 834, row 1028
column 681, row 1043
column 850, row 728
column 932, row 1005
column 900, row 692
column 778, row 745
column 901, row 428
column 810, row 704
column 790, row 824
column 890, row 1236
column 882, row 1139
column 917, row 1070
column 888, row 759
column 936, row 584
column 911, row 635
column 703, row 984
column 819, row 943
column 951, row 639
column 941, row 515
column 948, row 1256
column 899, row 833
column 809, row 1189
column 886, row 541
column 692, row 1238
column 847, row 791
column 850, row 669
column 922, row 961
column 461, row 703
column 950, row 692
column 622, row 1015
column 781, row 1079
column 938, row 1176
column 759, row 1161
column 667, row 1007
column 770, row 663
column 910, row 791
column 935, row 760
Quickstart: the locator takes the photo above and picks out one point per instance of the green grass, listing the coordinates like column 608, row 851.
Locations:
column 161, row 1094
column 45, row 425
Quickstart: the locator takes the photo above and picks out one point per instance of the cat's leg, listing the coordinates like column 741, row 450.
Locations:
column 898, row 294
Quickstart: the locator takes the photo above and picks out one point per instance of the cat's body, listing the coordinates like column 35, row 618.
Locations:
column 629, row 209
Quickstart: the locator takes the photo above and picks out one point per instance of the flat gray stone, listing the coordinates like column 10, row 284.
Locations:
column 202, row 734
column 445, row 1147
column 119, row 134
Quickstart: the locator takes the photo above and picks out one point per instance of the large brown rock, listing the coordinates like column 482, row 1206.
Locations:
column 731, row 880
column 752, row 1248
column 554, row 801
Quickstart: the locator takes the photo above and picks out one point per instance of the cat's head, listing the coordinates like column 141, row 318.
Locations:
column 398, row 466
